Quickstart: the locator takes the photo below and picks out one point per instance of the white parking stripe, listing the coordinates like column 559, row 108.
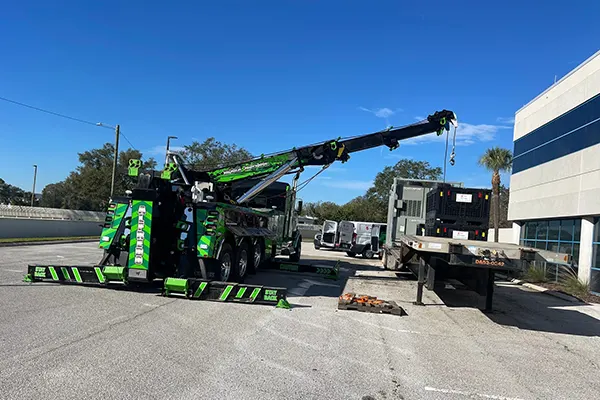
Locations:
column 468, row 394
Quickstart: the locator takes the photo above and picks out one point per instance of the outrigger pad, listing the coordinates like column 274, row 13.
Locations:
column 200, row 289
column 324, row 270
column 65, row 274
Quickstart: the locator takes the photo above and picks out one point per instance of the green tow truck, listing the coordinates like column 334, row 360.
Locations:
column 201, row 232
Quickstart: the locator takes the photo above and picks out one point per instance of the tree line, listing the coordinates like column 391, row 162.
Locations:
column 88, row 186
column 373, row 205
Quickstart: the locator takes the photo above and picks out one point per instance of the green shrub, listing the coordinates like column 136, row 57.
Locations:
column 535, row 274
column 572, row 284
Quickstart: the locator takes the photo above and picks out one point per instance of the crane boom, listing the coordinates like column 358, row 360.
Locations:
column 327, row 152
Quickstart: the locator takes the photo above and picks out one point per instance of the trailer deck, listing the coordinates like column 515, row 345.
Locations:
column 472, row 262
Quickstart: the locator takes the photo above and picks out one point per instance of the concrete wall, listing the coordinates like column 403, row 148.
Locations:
column 308, row 231
column 505, row 235
column 25, row 228
column 567, row 186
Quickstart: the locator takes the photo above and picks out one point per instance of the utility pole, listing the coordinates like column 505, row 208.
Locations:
column 115, row 161
column 34, row 178
column 168, row 143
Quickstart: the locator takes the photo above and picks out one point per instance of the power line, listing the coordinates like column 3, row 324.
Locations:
column 48, row 112
column 125, row 137
column 66, row 117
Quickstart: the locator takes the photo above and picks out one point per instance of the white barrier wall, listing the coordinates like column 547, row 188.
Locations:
column 27, row 228
column 505, row 235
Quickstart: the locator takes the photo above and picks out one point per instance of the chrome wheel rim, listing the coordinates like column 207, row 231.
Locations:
column 243, row 263
column 225, row 267
column 257, row 256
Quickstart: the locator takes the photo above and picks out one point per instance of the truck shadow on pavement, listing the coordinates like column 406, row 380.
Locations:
column 524, row 309
column 312, row 285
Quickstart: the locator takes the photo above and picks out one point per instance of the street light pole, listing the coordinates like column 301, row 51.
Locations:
column 115, row 161
column 34, row 178
column 168, row 143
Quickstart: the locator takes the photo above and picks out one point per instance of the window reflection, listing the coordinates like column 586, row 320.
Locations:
column 557, row 235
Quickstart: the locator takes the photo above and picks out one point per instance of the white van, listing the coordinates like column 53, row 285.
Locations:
column 345, row 235
column 366, row 239
column 328, row 235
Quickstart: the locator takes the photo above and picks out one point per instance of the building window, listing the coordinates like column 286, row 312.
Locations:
column 559, row 235
column 573, row 131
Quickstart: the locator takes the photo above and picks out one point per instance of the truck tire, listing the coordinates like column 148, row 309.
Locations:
column 226, row 263
column 297, row 251
column 351, row 254
column 296, row 256
column 242, row 262
column 368, row 253
column 258, row 256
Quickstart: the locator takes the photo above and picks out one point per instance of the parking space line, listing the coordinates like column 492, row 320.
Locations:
column 469, row 394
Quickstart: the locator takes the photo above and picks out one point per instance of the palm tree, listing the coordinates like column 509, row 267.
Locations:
column 496, row 160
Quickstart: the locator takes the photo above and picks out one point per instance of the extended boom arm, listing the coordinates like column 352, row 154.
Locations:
column 273, row 166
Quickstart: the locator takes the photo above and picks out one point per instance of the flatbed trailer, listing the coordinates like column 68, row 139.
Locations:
column 472, row 262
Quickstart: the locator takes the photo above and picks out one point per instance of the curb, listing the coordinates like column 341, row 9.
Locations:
column 37, row 243
column 554, row 293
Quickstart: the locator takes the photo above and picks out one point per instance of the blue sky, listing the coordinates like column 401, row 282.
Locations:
column 270, row 75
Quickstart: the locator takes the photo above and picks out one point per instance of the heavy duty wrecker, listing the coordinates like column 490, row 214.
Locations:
column 201, row 232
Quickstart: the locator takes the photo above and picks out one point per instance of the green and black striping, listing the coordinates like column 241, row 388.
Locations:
column 114, row 215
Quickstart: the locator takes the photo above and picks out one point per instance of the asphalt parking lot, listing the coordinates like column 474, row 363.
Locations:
column 69, row 342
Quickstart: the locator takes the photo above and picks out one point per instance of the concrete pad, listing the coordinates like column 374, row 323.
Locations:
column 70, row 342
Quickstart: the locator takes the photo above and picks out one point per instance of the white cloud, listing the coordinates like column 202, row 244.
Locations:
column 466, row 134
column 331, row 168
column 349, row 184
column 161, row 150
column 503, row 120
column 384, row 113
column 392, row 155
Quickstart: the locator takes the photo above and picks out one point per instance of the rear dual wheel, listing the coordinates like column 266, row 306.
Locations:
column 258, row 256
column 235, row 265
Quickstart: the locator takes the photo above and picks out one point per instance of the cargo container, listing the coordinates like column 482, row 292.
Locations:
column 455, row 231
column 407, row 207
column 464, row 206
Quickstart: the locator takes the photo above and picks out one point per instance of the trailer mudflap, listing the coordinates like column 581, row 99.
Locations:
column 68, row 274
column 324, row 270
column 201, row 289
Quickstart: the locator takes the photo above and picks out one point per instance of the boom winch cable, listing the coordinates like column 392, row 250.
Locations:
column 453, row 154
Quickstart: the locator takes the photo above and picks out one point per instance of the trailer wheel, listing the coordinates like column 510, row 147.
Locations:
column 226, row 263
column 242, row 261
column 368, row 253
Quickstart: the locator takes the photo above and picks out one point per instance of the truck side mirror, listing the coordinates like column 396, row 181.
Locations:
column 299, row 207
